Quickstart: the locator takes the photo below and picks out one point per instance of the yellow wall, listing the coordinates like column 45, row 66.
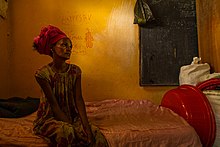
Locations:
column 4, row 60
column 105, row 43
column 208, row 12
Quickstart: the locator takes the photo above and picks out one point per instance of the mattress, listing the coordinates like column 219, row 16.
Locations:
column 130, row 123
column 18, row 132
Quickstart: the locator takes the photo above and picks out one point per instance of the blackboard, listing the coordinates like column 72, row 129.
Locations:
column 169, row 42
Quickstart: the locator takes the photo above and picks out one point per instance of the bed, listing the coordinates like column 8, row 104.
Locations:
column 134, row 123
column 123, row 122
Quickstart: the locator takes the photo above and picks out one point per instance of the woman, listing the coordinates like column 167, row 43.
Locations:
column 61, row 117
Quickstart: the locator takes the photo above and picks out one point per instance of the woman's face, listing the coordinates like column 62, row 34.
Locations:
column 63, row 48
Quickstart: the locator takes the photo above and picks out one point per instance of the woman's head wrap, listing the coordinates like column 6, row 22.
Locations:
column 48, row 36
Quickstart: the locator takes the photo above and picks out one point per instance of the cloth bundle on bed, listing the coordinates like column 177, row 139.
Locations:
column 134, row 123
column 15, row 107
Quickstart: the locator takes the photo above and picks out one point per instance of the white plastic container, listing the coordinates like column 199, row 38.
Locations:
column 214, row 99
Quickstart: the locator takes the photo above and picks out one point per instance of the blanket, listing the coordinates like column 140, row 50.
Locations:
column 16, row 107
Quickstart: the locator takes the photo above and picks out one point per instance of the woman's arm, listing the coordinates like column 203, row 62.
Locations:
column 80, row 104
column 58, row 113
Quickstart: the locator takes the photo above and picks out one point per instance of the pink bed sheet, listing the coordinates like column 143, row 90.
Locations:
column 140, row 123
column 130, row 123
column 17, row 132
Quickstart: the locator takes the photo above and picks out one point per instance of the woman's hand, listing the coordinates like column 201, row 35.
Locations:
column 90, row 137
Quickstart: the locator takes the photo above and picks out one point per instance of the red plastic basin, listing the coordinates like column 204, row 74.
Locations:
column 190, row 103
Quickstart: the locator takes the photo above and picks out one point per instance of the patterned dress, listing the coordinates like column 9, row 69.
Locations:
column 59, row 133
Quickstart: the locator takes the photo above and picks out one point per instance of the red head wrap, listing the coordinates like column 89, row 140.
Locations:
column 48, row 36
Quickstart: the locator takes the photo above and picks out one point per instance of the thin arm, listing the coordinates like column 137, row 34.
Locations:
column 80, row 104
